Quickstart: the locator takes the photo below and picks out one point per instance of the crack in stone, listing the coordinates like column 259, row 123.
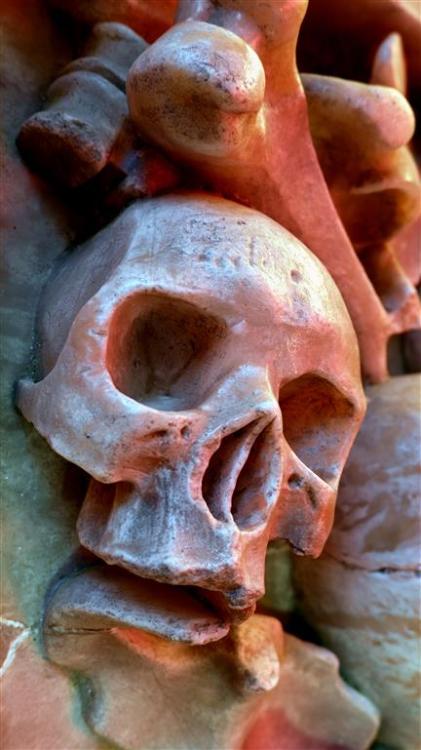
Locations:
column 15, row 643
column 384, row 569
column 61, row 630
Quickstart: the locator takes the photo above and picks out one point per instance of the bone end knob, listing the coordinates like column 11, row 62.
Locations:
column 197, row 91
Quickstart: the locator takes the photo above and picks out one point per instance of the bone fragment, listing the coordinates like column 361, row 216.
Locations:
column 71, row 139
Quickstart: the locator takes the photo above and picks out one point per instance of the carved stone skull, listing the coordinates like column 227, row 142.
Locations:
column 200, row 364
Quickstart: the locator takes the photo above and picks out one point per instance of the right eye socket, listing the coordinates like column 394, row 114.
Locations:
column 155, row 348
column 317, row 421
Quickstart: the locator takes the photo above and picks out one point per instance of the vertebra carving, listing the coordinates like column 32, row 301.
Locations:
column 200, row 364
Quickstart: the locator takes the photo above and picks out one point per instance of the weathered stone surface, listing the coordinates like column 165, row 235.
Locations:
column 360, row 131
column 279, row 597
column 224, row 97
column 389, row 65
column 147, row 693
column 35, row 228
column 406, row 246
column 40, row 707
column 252, row 690
column 36, row 700
column 363, row 594
column 377, row 522
column 12, row 633
column 110, row 51
column 144, row 172
column 311, row 708
column 101, row 598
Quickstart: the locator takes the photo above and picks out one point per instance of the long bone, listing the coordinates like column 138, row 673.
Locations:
column 221, row 93
column 374, row 185
column 71, row 139
column 84, row 135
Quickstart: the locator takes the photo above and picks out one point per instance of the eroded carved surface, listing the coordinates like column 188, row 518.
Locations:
column 360, row 133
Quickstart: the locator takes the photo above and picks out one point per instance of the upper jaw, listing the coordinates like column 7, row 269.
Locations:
column 99, row 597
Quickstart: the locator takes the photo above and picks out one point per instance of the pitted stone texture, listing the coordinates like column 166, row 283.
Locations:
column 110, row 51
column 181, row 374
column 363, row 594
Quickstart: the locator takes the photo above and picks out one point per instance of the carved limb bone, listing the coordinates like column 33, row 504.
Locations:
column 225, row 97
column 359, row 28
column 203, row 369
column 373, row 180
column 372, row 177
column 71, row 140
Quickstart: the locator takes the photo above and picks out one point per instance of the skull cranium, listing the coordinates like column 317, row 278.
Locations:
column 201, row 366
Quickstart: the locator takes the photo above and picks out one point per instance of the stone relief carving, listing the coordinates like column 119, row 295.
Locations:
column 199, row 364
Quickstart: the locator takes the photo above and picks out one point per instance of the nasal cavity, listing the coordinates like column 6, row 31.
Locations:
column 237, row 483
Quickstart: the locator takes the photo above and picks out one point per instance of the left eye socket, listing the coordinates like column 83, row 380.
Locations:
column 155, row 345
column 317, row 425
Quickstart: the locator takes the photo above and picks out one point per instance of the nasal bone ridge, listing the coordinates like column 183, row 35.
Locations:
column 237, row 470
